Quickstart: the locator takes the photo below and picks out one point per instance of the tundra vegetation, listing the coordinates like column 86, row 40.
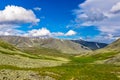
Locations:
column 41, row 64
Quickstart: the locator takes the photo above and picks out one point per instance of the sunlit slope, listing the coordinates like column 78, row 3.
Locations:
column 10, row 55
column 107, row 55
column 64, row 46
column 114, row 48
column 26, row 66
column 16, row 65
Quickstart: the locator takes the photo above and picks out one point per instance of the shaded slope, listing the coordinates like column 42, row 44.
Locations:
column 91, row 45
column 108, row 55
column 112, row 51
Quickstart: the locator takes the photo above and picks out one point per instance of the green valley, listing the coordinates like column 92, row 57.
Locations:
column 41, row 64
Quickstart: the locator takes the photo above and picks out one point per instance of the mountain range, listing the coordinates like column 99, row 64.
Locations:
column 91, row 45
column 25, row 58
column 65, row 46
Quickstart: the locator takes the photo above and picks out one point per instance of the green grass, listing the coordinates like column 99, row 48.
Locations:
column 79, row 68
column 94, row 57
column 28, row 55
column 45, row 51
column 7, row 45
column 76, row 71
column 106, row 55
column 85, row 72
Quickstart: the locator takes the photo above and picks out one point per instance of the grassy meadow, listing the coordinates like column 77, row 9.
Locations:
column 41, row 64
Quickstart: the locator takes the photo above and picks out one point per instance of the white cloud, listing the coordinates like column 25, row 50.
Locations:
column 13, row 16
column 109, row 29
column 44, row 32
column 9, row 29
column 104, row 15
column 8, row 32
column 92, row 15
column 70, row 33
column 38, row 32
column 104, row 38
column 17, row 15
column 116, row 8
column 37, row 9
column 58, row 34
column 8, row 26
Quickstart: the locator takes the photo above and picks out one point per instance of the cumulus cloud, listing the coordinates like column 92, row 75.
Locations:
column 38, row 32
column 37, row 9
column 116, row 8
column 92, row 15
column 13, row 16
column 8, row 32
column 104, row 38
column 44, row 32
column 70, row 33
column 104, row 15
column 17, row 15
column 58, row 34
column 9, row 29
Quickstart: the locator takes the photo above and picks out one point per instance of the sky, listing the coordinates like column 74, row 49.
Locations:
column 92, row 20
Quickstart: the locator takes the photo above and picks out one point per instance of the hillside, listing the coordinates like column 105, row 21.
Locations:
column 64, row 46
column 9, row 54
column 91, row 45
column 14, row 62
column 107, row 55
column 115, row 46
column 18, row 65
column 114, row 50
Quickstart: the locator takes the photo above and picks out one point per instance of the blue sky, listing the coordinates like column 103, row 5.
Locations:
column 68, row 19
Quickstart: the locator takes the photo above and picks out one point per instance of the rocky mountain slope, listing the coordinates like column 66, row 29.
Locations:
column 64, row 46
column 91, row 45
column 18, row 65
column 14, row 64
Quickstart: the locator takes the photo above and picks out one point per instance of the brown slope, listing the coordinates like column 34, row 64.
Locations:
column 64, row 46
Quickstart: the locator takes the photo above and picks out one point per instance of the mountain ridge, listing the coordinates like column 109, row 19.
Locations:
column 90, row 44
column 65, row 46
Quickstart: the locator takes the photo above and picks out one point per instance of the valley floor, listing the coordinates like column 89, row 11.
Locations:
column 47, row 64
column 78, row 68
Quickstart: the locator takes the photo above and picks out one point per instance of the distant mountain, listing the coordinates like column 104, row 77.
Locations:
column 91, row 45
column 65, row 46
